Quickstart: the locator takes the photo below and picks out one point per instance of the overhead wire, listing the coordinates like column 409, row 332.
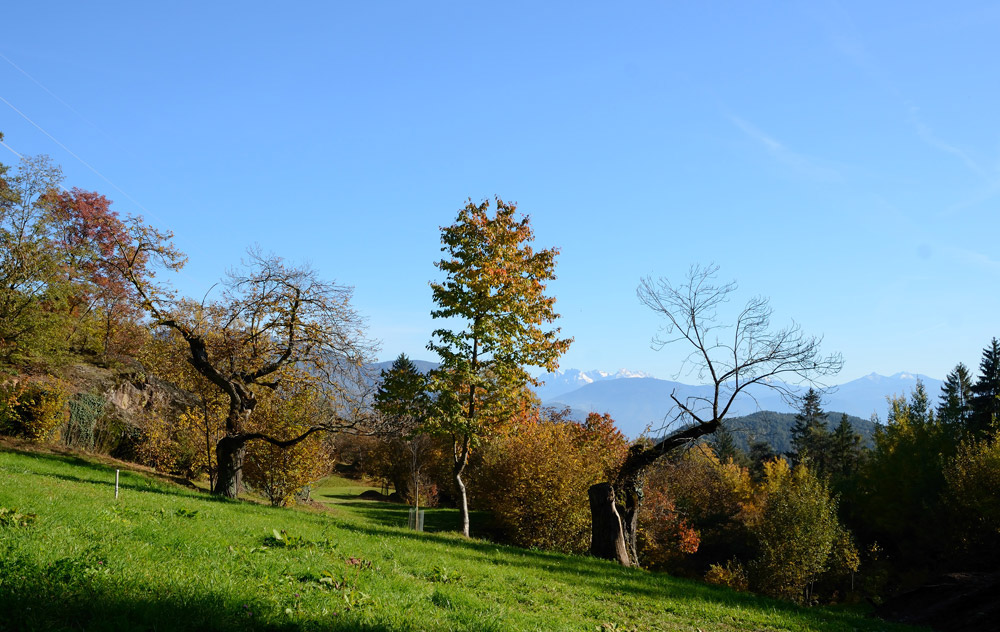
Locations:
column 72, row 153
column 146, row 211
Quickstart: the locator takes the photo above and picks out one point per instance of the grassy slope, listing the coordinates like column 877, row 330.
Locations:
column 164, row 557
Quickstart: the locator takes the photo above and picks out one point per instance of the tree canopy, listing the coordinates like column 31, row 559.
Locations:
column 494, row 291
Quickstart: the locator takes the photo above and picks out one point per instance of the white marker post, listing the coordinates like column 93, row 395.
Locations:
column 117, row 472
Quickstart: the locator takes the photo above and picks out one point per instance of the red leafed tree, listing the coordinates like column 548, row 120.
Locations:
column 87, row 236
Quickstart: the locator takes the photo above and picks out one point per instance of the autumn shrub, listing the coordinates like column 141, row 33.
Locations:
column 973, row 478
column 535, row 477
column 279, row 472
column 693, row 504
column 795, row 532
column 158, row 437
column 731, row 574
column 152, row 442
column 32, row 410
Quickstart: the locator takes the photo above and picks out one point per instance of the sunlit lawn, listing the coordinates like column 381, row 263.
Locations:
column 165, row 557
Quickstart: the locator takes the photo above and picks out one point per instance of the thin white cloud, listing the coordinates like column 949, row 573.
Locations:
column 927, row 135
column 844, row 37
column 800, row 163
column 977, row 259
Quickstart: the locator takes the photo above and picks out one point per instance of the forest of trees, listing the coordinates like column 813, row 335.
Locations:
column 270, row 387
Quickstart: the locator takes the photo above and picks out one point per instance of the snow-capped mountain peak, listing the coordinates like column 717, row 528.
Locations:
column 560, row 382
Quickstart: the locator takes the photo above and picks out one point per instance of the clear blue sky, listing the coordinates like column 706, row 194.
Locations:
column 841, row 158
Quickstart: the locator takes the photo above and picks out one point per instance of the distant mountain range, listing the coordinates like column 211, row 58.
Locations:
column 562, row 382
column 422, row 365
column 639, row 403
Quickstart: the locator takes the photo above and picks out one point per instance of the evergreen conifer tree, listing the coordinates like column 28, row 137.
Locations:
column 845, row 452
column 810, row 436
column 724, row 445
column 402, row 396
column 761, row 452
column 955, row 409
column 986, row 391
column 920, row 405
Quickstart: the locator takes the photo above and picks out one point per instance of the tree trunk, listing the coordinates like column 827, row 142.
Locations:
column 630, row 521
column 229, row 452
column 461, row 460
column 607, row 535
column 463, row 502
column 611, row 537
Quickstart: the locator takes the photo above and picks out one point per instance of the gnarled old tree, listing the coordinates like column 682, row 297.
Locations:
column 273, row 324
column 731, row 356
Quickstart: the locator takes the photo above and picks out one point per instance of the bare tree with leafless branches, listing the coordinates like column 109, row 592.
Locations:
column 730, row 355
column 274, row 324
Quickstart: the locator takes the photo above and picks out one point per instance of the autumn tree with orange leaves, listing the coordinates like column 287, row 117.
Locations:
column 494, row 298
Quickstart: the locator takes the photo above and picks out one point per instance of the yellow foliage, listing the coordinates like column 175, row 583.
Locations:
column 795, row 531
column 535, row 478
column 730, row 575
column 973, row 478
column 33, row 410
column 155, row 446
column 688, row 500
column 280, row 472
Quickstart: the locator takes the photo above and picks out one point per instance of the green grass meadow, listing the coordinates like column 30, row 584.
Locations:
column 167, row 557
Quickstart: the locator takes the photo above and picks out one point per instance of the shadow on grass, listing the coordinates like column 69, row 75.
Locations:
column 397, row 515
column 27, row 607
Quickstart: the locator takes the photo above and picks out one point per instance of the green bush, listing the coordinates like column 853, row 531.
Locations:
column 84, row 411
column 973, row 478
column 32, row 410
column 796, row 532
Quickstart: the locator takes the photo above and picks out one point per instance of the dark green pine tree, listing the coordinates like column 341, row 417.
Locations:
column 921, row 412
column 986, row 392
column 845, row 449
column 810, row 436
column 724, row 445
column 760, row 453
column 402, row 397
column 955, row 409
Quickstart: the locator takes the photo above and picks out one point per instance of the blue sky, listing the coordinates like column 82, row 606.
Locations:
column 840, row 158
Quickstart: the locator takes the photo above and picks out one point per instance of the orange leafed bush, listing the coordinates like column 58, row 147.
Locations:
column 535, row 478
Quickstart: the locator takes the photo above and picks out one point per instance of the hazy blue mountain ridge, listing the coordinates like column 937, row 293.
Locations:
column 642, row 403
column 639, row 403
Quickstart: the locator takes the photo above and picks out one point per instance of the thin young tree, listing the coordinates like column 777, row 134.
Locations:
column 494, row 297
column 730, row 356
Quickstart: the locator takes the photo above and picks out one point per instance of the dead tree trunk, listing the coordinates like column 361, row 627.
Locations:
column 608, row 536
column 605, row 532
